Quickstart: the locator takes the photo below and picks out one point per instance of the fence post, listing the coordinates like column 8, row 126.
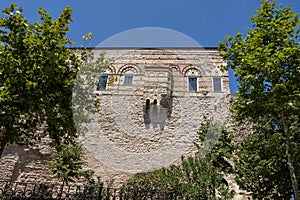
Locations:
column 100, row 192
column 114, row 195
column 107, row 193
column 171, row 195
column 61, row 190
column 120, row 194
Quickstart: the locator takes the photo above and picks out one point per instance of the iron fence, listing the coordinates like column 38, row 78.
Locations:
column 30, row 190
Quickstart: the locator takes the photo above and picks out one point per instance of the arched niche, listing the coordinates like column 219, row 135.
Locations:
column 217, row 80
column 216, row 72
column 129, row 68
column 192, row 71
column 109, row 70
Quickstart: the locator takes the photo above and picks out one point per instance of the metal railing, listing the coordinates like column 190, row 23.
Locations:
column 31, row 190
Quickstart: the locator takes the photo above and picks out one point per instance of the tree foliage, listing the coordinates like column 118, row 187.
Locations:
column 267, row 66
column 37, row 74
column 84, row 103
column 198, row 177
column 67, row 162
column 261, row 166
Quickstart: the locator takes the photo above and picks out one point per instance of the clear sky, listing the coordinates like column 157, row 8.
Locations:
column 206, row 21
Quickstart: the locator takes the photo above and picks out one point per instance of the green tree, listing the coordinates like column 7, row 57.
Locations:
column 261, row 166
column 87, row 81
column 67, row 162
column 267, row 66
column 37, row 74
column 198, row 177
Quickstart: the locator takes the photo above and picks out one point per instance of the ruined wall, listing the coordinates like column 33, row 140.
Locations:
column 144, row 125
column 21, row 163
column 153, row 121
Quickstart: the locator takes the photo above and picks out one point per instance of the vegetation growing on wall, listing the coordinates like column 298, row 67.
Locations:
column 197, row 177
column 67, row 162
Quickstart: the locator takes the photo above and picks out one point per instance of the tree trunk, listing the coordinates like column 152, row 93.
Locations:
column 1, row 149
column 2, row 146
column 3, row 141
column 290, row 161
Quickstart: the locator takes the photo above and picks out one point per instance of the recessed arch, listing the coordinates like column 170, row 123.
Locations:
column 191, row 71
column 129, row 68
column 216, row 72
column 217, row 80
column 175, row 68
column 110, row 70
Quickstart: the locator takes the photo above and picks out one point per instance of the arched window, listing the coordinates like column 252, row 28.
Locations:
column 192, row 75
column 217, row 80
column 128, row 71
column 128, row 78
column 193, row 83
column 147, row 104
column 103, row 79
column 102, row 82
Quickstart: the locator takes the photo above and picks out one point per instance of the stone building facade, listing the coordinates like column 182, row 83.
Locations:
column 151, row 104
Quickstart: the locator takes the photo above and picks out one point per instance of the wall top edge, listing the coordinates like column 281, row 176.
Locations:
column 146, row 48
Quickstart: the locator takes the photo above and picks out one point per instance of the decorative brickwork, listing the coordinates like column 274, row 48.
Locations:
column 148, row 116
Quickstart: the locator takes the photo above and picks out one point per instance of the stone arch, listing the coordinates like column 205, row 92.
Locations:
column 129, row 68
column 175, row 68
column 216, row 72
column 192, row 70
column 217, row 80
column 110, row 70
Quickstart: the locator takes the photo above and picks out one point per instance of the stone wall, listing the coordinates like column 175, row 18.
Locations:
column 152, row 122
column 21, row 163
column 148, row 124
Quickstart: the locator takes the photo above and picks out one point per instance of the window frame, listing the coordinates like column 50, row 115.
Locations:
column 101, row 86
column 220, row 85
column 190, row 86
column 127, row 76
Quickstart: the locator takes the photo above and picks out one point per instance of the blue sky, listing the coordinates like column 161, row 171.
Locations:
column 207, row 21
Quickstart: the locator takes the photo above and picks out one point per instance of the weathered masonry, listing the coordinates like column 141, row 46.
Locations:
column 152, row 102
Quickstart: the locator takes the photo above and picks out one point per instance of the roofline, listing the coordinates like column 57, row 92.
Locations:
column 143, row 48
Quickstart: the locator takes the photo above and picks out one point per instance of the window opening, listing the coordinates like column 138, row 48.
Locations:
column 217, row 84
column 102, row 82
column 193, row 84
column 128, row 80
column 147, row 104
